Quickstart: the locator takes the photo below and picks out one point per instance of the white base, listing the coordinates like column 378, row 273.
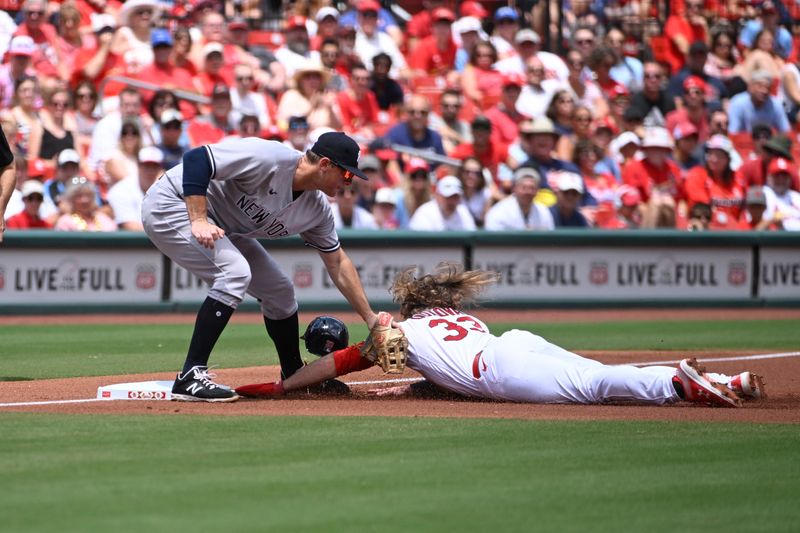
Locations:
column 144, row 390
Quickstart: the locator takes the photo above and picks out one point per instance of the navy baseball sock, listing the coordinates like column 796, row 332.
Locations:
column 285, row 334
column 211, row 320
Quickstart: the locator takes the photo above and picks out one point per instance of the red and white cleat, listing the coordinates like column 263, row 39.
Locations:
column 698, row 388
column 748, row 385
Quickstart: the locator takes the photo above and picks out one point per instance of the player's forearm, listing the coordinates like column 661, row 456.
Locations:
column 345, row 276
column 320, row 370
column 197, row 207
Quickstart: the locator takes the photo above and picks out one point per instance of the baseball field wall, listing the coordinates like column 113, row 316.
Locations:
column 58, row 272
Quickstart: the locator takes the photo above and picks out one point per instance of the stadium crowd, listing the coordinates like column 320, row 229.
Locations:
column 615, row 114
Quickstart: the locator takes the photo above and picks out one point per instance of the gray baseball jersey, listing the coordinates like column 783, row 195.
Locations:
column 249, row 196
column 250, row 193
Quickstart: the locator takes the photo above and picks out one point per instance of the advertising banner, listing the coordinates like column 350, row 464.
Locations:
column 779, row 278
column 547, row 273
column 80, row 276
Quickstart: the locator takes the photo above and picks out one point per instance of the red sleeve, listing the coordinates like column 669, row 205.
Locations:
column 349, row 360
column 419, row 58
column 372, row 109
column 419, row 25
column 461, row 151
column 632, row 175
column 696, row 190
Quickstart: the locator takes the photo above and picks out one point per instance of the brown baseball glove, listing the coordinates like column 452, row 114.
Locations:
column 386, row 346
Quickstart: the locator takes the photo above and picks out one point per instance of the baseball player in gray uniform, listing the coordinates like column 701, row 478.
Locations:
column 206, row 214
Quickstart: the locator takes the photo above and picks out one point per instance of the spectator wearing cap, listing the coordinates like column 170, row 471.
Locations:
column 213, row 126
column 311, row 98
column 172, row 144
column 624, row 148
column 714, row 88
column 386, row 22
column 83, row 213
column 715, row 183
column 527, row 44
column 20, row 51
column 479, row 193
column 480, row 81
column 384, row 209
column 388, row 92
column 757, row 106
column 767, row 19
column 371, row 165
column 414, row 190
column 504, row 116
column 162, row 71
column 447, row 122
column 657, row 177
column 99, row 61
column 347, row 214
column 247, row 101
column 125, row 197
column 506, row 26
column 414, row 131
column 541, row 137
column 692, row 109
column 370, row 40
column 489, row 150
column 783, row 204
column 297, row 134
column 569, row 191
column 358, row 106
column 296, row 50
column 682, row 29
column 619, row 107
column 467, row 32
column 327, row 19
column 435, row 55
column 653, row 102
column 536, row 93
column 137, row 19
column 30, row 216
column 34, row 25
column 445, row 212
column 519, row 211
column 687, row 146
column 627, row 214
column 421, row 24
column 755, row 204
column 214, row 71
column 754, row 171
column 67, row 166
column 628, row 70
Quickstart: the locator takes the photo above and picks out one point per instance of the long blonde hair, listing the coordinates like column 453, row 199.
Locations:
column 449, row 285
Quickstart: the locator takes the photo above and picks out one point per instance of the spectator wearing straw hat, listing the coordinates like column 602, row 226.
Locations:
column 310, row 98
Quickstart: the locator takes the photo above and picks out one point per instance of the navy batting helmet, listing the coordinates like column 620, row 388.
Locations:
column 326, row 334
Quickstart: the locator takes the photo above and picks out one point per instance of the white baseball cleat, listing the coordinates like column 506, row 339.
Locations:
column 697, row 388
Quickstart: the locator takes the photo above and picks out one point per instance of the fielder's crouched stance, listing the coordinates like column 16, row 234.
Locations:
column 456, row 352
column 206, row 214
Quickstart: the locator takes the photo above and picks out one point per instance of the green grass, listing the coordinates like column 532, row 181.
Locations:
column 33, row 352
column 172, row 473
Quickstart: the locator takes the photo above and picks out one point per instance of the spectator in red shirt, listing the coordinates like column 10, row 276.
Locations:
column 754, row 171
column 29, row 217
column 628, row 216
column 95, row 64
column 504, row 116
column 684, row 29
column 162, row 72
column 755, row 204
column 217, row 124
column 435, row 55
column 490, row 152
column 214, row 71
column 358, row 105
column 35, row 25
column 421, row 23
column 717, row 185
column 657, row 178
column 693, row 109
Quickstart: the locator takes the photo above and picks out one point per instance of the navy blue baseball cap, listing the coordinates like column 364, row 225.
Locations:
column 341, row 150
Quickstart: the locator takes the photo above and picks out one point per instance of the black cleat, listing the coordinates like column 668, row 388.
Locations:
column 196, row 385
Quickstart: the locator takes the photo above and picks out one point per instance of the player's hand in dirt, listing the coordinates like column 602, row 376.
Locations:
column 399, row 390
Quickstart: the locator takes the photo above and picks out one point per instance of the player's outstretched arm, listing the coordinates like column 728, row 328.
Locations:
column 334, row 364
column 345, row 276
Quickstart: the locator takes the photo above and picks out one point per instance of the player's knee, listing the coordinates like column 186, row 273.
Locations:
column 238, row 278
